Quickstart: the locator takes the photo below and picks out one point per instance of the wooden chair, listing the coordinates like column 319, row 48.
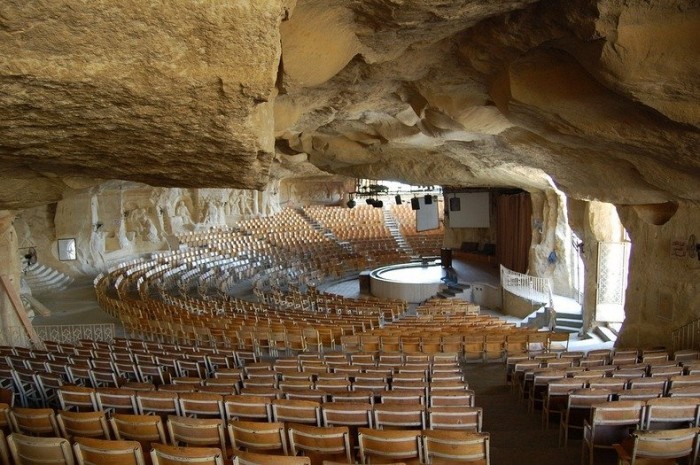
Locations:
column 116, row 400
column 661, row 447
column 639, row 394
column 158, row 403
column 198, row 432
column 556, row 397
column 296, row 411
column 162, row 454
column 464, row 398
column 30, row 450
column 145, row 429
column 403, row 416
column 578, row 408
column 258, row 436
column 254, row 458
column 78, row 398
column 26, row 386
column 89, row 451
column 201, row 405
column 255, row 408
column 610, row 423
column 449, row 447
column 34, row 421
column 390, row 445
column 460, row 418
column 318, row 443
column 672, row 413
column 83, row 424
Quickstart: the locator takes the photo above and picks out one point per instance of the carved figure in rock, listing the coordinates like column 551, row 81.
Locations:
column 142, row 225
column 246, row 202
column 183, row 212
column 211, row 215
column 234, row 202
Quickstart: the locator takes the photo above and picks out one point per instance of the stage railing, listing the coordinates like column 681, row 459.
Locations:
column 533, row 288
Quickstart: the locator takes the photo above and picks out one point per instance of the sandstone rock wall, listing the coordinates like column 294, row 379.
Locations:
column 664, row 281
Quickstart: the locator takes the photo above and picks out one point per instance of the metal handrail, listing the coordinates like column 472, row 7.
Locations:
column 533, row 288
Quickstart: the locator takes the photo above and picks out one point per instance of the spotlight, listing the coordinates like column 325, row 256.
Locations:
column 415, row 203
column 378, row 204
column 455, row 204
column 428, row 199
column 370, row 201
column 398, row 200
column 351, row 203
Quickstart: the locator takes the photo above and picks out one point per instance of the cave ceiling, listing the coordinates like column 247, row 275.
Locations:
column 598, row 98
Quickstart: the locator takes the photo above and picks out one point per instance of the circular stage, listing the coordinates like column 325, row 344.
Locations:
column 412, row 282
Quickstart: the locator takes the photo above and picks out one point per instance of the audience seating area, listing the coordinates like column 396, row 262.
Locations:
column 180, row 402
column 424, row 243
column 618, row 400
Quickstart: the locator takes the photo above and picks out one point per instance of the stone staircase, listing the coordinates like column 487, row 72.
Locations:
column 565, row 322
column 393, row 226
column 325, row 231
column 42, row 279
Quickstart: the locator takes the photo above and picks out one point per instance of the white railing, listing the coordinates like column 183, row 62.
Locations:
column 687, row 336
column 70, row 334
column 528, row 287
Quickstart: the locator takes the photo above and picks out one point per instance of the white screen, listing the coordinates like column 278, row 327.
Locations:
column 427, row 216
column 474, row 210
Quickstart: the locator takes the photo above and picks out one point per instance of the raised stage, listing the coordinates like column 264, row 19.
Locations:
column 412, row 282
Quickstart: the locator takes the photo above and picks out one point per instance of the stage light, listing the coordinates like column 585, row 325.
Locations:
column 455, row 204
column 428, row 199
column 370, row 201
column 351, row 203
column 415, row 203
column 398, row 200
column 378, row 204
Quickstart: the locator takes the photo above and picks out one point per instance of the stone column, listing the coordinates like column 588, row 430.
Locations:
column 10, row 266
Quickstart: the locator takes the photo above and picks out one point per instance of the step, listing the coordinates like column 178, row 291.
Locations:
column 569, row 323
column 569, row 316
column 604, row 334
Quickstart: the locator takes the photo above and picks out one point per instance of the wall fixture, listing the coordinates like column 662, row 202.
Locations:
column 398, row 199
column 428, row 199
column 455, row 203
column 415, row 203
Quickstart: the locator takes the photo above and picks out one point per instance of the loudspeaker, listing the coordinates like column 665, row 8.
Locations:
column 351, row 203
column 415, row 204
column 398, row 200
column 455, row 204
column 378, row 204
column 370, row 201
column 428, row 199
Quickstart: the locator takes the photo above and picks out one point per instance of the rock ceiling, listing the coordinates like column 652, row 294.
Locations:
column 598, row 97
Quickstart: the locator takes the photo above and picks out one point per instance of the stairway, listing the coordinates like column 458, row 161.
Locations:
column 325, row 231
column 393, row 226
column 42, row 279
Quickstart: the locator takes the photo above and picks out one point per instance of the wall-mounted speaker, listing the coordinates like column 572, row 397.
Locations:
column 415, row 204
column 428, row 199
column 398, row 200
column 455, row 204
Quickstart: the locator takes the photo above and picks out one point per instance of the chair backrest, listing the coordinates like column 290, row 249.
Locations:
column 197, row 432
column 671, row 412
column 346, row 414
column 257, row 436
column 145, row 429
column 83, row 424
column 162, row 454
column 31, row 450
column 242, row 407
column 621, row 412
column 389, row 444
column 320, row 442
column 457, row 446
column 157, row 402
column 34, row 421
column 79, row 398
column 201, row 404
column 462, row 418
column 399, row 416
column 254, row 458
column 90, row 450
column 116, row 399
column 663, row 444
column 296, row 411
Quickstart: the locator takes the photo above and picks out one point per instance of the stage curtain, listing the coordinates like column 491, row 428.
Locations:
column 514, row 231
